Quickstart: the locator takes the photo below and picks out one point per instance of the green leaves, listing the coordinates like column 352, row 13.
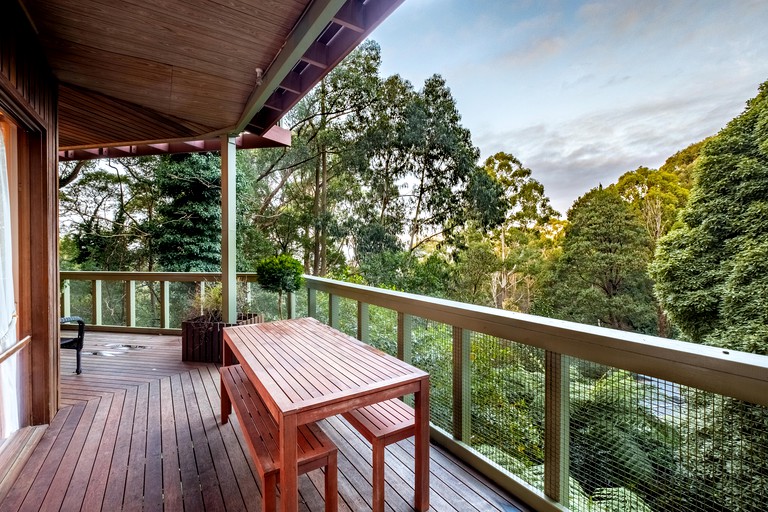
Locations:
column 601, row 277
column 188, row 235
column 281, row 273
column 710, row 270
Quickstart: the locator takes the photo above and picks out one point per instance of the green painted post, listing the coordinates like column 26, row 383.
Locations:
column 333, row 310
column 363, row 322
column 462, row 385
column 556, row 431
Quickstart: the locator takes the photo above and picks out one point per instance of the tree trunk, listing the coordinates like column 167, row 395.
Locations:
column 415, row 223
column 316, row 230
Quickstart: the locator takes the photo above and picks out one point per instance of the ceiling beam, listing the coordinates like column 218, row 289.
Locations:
column 349, row 26
column 306, row 32
column 274, row 137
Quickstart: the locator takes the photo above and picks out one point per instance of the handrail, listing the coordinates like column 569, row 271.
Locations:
column 130, row 279
column 23, row 342
column 173, row 277
column 727, row 372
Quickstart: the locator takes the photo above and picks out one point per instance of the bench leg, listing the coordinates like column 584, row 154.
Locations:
column 331, row 484
column 78, row 370
column 268, row 499
column 226, row 403
column 379, row 449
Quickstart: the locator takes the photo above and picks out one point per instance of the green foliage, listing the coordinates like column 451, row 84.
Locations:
column 710, row 271
column 281, row 273
column 728, row 450
column 683, row 163
column 601, row 277
column 616, row 439
column 107, row 214
column 188, row 237
column 656, row 195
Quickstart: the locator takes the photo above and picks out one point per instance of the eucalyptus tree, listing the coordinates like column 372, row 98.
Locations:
column 107, row 211
column 524, row 209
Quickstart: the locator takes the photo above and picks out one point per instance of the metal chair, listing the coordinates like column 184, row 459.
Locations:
column 75, row 343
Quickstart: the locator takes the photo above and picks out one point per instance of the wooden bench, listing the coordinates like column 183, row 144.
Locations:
column 315, row 450
column 382, row 424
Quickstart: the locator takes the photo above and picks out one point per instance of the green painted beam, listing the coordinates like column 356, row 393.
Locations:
column 319, row 14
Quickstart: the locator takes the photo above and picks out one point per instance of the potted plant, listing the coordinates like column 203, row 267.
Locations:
column 202, row 334
column 280, row 274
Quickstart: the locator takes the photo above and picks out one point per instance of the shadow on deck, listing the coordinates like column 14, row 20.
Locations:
column 139, row 430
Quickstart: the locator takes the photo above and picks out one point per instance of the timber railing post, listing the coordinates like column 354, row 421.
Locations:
column 311, row 302
column 66, row 301
column 333, row 310
column 363, row 322
column 165, row 304
column 404, row 337
column 462, row 385
column 556, row 430
column 96, row 301
column 290, row 299
column 130, row 303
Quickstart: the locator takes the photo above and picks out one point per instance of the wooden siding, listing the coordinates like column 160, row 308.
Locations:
column 28, row 96
column 142, row 430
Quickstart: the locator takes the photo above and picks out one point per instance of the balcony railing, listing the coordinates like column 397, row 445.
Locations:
column 563, row 415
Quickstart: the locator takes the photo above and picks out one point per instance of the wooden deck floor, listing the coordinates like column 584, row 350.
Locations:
column 139, row 430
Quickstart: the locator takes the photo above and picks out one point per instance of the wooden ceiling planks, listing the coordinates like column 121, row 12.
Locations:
column 90, row 119
column 189, row 62
column 140, row 71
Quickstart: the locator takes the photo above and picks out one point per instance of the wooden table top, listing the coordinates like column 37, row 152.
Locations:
column 303, row 365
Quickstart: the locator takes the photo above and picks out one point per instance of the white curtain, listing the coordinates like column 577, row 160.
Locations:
column 9, row 401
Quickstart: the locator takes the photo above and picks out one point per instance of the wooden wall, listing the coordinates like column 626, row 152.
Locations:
column 28, row 96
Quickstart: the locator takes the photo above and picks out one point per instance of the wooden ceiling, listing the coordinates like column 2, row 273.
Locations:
column 140, row 72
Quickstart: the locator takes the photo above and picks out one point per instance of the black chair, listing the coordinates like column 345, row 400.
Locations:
column 74, row 343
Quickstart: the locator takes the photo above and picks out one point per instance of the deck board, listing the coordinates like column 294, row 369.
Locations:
column 139, row 430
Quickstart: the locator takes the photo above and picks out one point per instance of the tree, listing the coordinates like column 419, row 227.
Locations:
column 711, row 276
column 601, row 277
column 656, row 195
column 711, row 272
column 683, row 162
column 108, row 212
column 443, row 160
column 188, row 237
column 524, row 207
column 280, row 274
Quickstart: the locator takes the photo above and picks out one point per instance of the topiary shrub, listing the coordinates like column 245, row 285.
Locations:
column 280, row 274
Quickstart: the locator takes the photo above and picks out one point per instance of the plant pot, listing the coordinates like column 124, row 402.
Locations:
column 202, row 339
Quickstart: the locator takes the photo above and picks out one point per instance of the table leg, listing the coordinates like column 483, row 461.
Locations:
column 421, row 399
column 289, row 468
column 227, row 357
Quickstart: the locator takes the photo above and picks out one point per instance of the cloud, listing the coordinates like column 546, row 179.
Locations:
column 536, row 51
column 573, row 156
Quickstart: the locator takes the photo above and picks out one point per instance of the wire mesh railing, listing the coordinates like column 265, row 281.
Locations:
column 567, row 415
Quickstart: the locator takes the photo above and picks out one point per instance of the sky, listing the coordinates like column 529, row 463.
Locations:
column 584, row 91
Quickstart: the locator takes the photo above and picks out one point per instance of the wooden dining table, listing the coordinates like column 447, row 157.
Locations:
column 306, row 371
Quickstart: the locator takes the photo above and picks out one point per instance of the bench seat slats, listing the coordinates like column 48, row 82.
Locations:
column 314, row 448
column 383, row 419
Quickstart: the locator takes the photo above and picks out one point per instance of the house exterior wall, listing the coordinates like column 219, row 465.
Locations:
column 28, row 97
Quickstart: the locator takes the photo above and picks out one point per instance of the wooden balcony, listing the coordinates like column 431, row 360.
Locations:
column 139, row 429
